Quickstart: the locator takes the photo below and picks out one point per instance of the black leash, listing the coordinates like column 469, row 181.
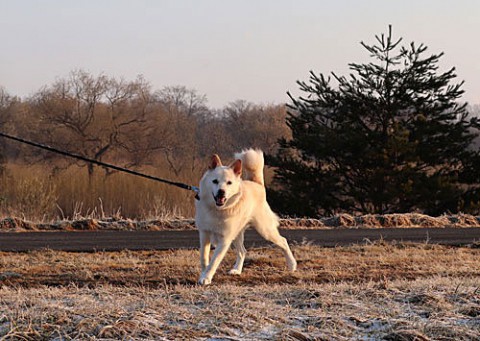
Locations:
column 100, row 163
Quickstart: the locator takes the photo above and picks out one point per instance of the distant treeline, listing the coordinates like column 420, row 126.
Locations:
column 172, row 132
column 168, row 132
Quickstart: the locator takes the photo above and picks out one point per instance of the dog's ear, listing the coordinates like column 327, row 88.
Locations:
column 237, row 167
column 215, row 161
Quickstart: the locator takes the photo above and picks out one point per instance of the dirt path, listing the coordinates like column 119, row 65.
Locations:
column 163, row 240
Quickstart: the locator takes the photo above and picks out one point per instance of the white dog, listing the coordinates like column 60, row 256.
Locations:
column 228, row 205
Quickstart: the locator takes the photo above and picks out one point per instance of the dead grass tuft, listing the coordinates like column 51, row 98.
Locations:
column 370, row 220
column 463, row 220
column 96, row 222
column 406, row 220
column 396, row 220
column 406, row 335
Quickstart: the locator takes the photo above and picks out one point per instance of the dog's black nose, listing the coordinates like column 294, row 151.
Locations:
column 220, row 193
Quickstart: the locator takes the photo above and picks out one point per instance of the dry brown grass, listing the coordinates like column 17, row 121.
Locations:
column 361, row 263
column 404, row 220
column 390, row 291
column 166, row 221
column 33, row 193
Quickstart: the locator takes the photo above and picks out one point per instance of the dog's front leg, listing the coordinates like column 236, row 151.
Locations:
column 241, row 251
column 220, row 251
column 205, row 242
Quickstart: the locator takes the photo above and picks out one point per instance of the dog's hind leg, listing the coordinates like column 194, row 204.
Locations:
column 220, row 251
column 274, row 236
column 266, row 224
column 281, row 242
column 241, row 251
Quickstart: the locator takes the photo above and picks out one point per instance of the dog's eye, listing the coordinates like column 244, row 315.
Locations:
column 229, row 182
column 215, row 182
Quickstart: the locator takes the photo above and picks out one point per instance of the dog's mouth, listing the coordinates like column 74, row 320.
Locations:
column 220, row 200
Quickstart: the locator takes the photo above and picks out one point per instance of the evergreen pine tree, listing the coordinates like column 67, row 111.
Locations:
column 390, row 137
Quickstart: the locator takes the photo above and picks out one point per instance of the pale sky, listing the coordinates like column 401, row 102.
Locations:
column 227, row 50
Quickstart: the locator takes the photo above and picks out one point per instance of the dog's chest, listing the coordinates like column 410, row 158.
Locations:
column 221, row 223
column 213, row 223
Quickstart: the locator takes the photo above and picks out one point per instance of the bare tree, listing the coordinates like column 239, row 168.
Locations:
column 96, row 116
column 181, row 99
column 254, row 125
column 9, row 106
column 182, row 108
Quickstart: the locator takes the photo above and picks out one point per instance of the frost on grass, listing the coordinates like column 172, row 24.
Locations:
column 368, row 292
column 434, row 308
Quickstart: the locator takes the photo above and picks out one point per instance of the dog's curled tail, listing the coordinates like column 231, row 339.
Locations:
column 252, row 164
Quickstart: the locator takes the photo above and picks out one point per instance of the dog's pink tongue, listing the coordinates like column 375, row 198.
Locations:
column 221, row 201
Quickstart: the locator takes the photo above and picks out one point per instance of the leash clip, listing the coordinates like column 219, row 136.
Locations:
column 197, row 192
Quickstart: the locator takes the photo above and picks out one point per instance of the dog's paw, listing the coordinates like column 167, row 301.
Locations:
column 292, row 266
column 235, row 272
column 204, row 281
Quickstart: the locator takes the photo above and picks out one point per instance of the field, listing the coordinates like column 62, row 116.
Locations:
column 390, row 291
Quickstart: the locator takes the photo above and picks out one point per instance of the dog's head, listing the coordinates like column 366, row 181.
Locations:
column 222, row 182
